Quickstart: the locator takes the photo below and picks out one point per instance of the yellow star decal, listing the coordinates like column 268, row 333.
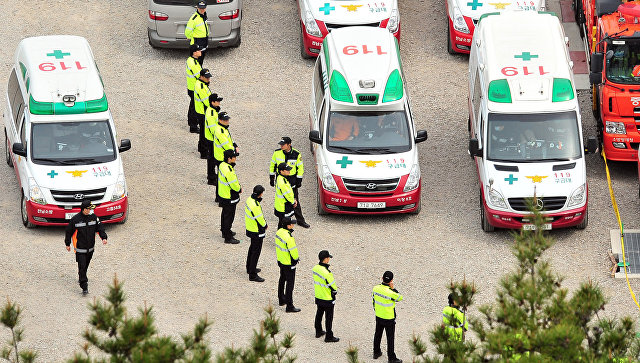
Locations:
column 351, row 7
column 371, row 163
column 76, row 173
column 500, row 6
column 536, row 178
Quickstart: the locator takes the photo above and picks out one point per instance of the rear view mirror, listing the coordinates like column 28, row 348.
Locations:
column 314, row 136
column 597, row 61
column 592, row 145
column 421, row 136
column 125, row 144
column 474, row 148
column 19, row 149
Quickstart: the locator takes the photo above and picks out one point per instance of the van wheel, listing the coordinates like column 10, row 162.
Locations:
column 238, row 42
column 585, row 221
column 23, row 212
column 417, row 211
column 484, row 220
column 7, row 153
column 126, row 216
column 449, row 45
column 303, row 52
column 321, row 211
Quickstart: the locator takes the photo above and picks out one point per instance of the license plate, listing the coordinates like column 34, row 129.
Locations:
column 372, row 205
column 222, row 1
column 531, row 227
column 69, row 215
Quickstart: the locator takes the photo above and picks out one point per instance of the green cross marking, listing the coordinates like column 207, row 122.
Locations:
column 327, row 9
column 58, row 54
column 52, row 174
column 474, row 4
column 526, row 56
column 344, row 162
column 510, row 179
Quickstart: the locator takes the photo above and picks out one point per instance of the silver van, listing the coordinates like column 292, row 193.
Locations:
column 168, row 18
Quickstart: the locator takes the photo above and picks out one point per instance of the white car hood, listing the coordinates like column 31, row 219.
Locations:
column 350, row 11
column 358, row 166
column 76, row 177
column 474, row 9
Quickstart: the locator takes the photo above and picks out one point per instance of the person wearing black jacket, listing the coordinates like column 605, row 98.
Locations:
column 81, row 230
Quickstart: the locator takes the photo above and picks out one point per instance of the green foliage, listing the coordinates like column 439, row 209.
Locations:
column 10, row 318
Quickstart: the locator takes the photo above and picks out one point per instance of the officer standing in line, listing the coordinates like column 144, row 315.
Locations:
column 193, row 72
column 222, row 141
column 325, row 290
column 293, row 158
column 197, row 29
column 82, row 229
column 256, row 227
column 211, row 118
column 287, row 254
column 201, row 95
column 454, row 320
column 228, row 192
column 283, row 206
column 385, row 297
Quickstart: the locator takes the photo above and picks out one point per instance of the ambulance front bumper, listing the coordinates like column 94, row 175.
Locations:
column 53, row 215
column 508, row 220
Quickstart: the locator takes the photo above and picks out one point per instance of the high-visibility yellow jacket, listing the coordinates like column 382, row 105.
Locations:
column 324, row 284
column 221, row 141
column 201, row 93
column 292, row 158
column 228, row 185
column 286, row 250
column 210, row 122
column 454, row 320
column 254, row 221
column 193, row 72
column 284, row 196
column 196, row 27
column 384, row 301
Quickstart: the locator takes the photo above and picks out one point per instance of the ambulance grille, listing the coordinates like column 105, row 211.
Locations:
column 367, row 99
column 331, row 26
column 549, row 203
column 371, row 186
column 75, row 197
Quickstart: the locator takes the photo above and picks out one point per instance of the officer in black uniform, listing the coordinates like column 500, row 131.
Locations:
column 82, row 229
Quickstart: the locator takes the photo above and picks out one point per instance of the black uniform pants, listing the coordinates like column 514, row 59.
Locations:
column 254, row 254
column 202, row 141
column 212, row 165
column 192, row 115
column 297, row 211
column 83, row 260
column 226, row 218
column 285, row 285
column 327, row 311
column 389, row 326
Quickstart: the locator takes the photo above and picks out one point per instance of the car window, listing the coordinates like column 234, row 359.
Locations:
column 12, row 89
column 23, row 129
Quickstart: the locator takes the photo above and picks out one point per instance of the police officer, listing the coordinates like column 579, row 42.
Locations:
column 385, row 297
column 454, row 320
column 285, row 202
column 193, row 73
column 222, row 141
column 197, row 30
column 256, row 227
column 287, row 254
column 325, row 289
column 82, row 229
column 201, row 95
column 211, row 118
column 228, row 192
column 293, row 158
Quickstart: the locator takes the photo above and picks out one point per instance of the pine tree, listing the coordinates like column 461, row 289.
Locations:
column 10, row 318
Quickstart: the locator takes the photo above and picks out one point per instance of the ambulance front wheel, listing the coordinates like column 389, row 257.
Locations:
column 7, row 153
column 585, row 221
column 484, row 221
column 449, row 45
column 321, row 211
column 417, row 211
column 23, row 212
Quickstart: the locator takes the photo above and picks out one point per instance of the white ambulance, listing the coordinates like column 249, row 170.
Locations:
column 362, row 131
column 524, row 125
column 59, row 133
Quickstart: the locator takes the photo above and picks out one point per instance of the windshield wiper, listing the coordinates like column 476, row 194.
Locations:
column 79, row 160
column 384, row 150
column 345, row 148
column 56, row 161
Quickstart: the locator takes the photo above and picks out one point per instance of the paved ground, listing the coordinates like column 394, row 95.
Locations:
column 170, row 253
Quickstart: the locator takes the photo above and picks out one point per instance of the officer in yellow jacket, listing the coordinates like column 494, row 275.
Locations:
column 197, row 30
column 211, row 119
column 287, row 254
column 325, row 289
column 193, row 73
column 201, row 93
column 385, row 297
column 229, row 190
column 293, row 158
column 222, row 140
column 454, row 320
column 284, row 204
column 256, row 227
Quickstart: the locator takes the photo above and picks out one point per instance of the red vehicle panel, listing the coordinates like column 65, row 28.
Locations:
column 52, row 215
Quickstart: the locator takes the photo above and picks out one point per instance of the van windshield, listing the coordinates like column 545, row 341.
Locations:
column 623, row 61
column 533, row 137
column 368, row 132
column 72, row 143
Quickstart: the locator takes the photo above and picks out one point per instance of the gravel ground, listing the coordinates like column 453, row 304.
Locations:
column 170, row 253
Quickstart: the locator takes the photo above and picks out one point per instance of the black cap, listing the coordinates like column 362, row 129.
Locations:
column 194, row 47
column 283, row 166
column 450, row 299
column 258, row 189
column 86, row 203
column 387, row 276
column 228, row 154
column 286, row 221
column 202, row 4
column 285, row 140
column 223, row 116
column 205, row 72
column 214, row 98
column 324, row 254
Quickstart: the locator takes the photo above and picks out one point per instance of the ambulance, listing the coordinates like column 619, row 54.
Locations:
column 60, row 137
column 361, row 127
column 524, row 123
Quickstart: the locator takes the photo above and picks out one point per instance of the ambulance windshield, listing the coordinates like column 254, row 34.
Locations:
column 368, row 132
column 72, row 143
column 623, row 61
column 533, row 137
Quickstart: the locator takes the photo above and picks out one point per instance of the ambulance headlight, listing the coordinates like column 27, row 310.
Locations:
column 579, row 196
column 615, row 127
column 459, row 23
column 35, row 193
column 311, row 25
column 328, row 183
column 495, row 198
column 394, row 20
column 120, row 189
column 413, row 181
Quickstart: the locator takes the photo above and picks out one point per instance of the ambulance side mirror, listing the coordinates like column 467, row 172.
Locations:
column 595, row 78
column 592, row 145
column 421, row 136
column 474, row 148
column 125, row 144
column 314, row 136
column 19, row 149
column 597, row 62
